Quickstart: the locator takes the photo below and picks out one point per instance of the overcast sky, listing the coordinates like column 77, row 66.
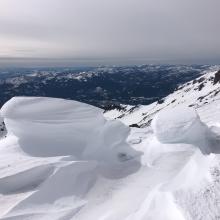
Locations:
column 105, row 30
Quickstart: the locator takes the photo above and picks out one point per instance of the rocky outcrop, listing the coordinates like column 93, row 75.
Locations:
column 217, row 77
column 2, row 128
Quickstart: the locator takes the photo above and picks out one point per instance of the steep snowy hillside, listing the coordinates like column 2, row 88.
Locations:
column 200, row 94
column 62, row 160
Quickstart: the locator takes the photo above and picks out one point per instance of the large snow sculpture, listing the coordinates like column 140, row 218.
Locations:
column 183, row 125
column 48, row 127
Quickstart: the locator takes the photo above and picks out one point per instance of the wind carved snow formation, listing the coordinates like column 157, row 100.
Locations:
column 183, row 125
column 63, row 159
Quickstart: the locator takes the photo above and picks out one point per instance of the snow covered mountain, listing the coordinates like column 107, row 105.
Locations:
column 65, row 160
column 200, row 93
column 99, row 86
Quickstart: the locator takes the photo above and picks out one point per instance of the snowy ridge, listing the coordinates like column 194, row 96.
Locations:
column 197, row 93
column 62, row 160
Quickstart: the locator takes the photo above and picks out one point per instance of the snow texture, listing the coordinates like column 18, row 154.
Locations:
column 62, row 160
column 48, row 127
column 183, row 125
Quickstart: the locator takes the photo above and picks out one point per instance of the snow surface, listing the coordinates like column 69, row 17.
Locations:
column 190, row 94
column 183, row 125
column 62, row 160
column 175, row 125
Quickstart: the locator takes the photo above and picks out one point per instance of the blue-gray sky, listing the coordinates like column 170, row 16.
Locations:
column 104, row 30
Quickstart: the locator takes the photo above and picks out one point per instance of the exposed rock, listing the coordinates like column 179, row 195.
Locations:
column 195, row 81
column 3, row 130
column 216, row 93
column 113, row 106
column 191, row 105
column 180, row 87
column 201, row 98
column 211, row 78
column 198, row 80
column 160, row 101
column 217, row 77
column 133, row 108
column 134, row 126
column 201, row 86
column 201, row 79
column 187, row 90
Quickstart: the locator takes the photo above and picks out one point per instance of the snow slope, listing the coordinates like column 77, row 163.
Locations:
column 62, row 160
column 198, row 93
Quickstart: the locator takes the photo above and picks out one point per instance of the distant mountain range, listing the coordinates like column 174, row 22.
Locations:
column 102, row 86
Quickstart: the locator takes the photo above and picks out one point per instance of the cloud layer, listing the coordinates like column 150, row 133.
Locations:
column 110, row 29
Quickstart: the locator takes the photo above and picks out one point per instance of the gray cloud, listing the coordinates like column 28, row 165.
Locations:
column 111, row 29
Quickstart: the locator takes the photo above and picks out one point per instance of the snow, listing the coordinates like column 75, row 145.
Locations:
column 183, row 125
column 183, row 147
column 187, row 95
column 55, row 151
column 175, row 125
column 63, row 160
column 48, row 127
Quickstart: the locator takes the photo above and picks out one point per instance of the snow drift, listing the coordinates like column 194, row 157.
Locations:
column 48, row 127
column 183, row 125
column 62, row 160
column 72, row 143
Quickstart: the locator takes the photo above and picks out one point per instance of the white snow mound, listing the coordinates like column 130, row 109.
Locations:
column 48, row 127
column 183, row 125
column 55, row 154
column 172, row 125
column 62, row 160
